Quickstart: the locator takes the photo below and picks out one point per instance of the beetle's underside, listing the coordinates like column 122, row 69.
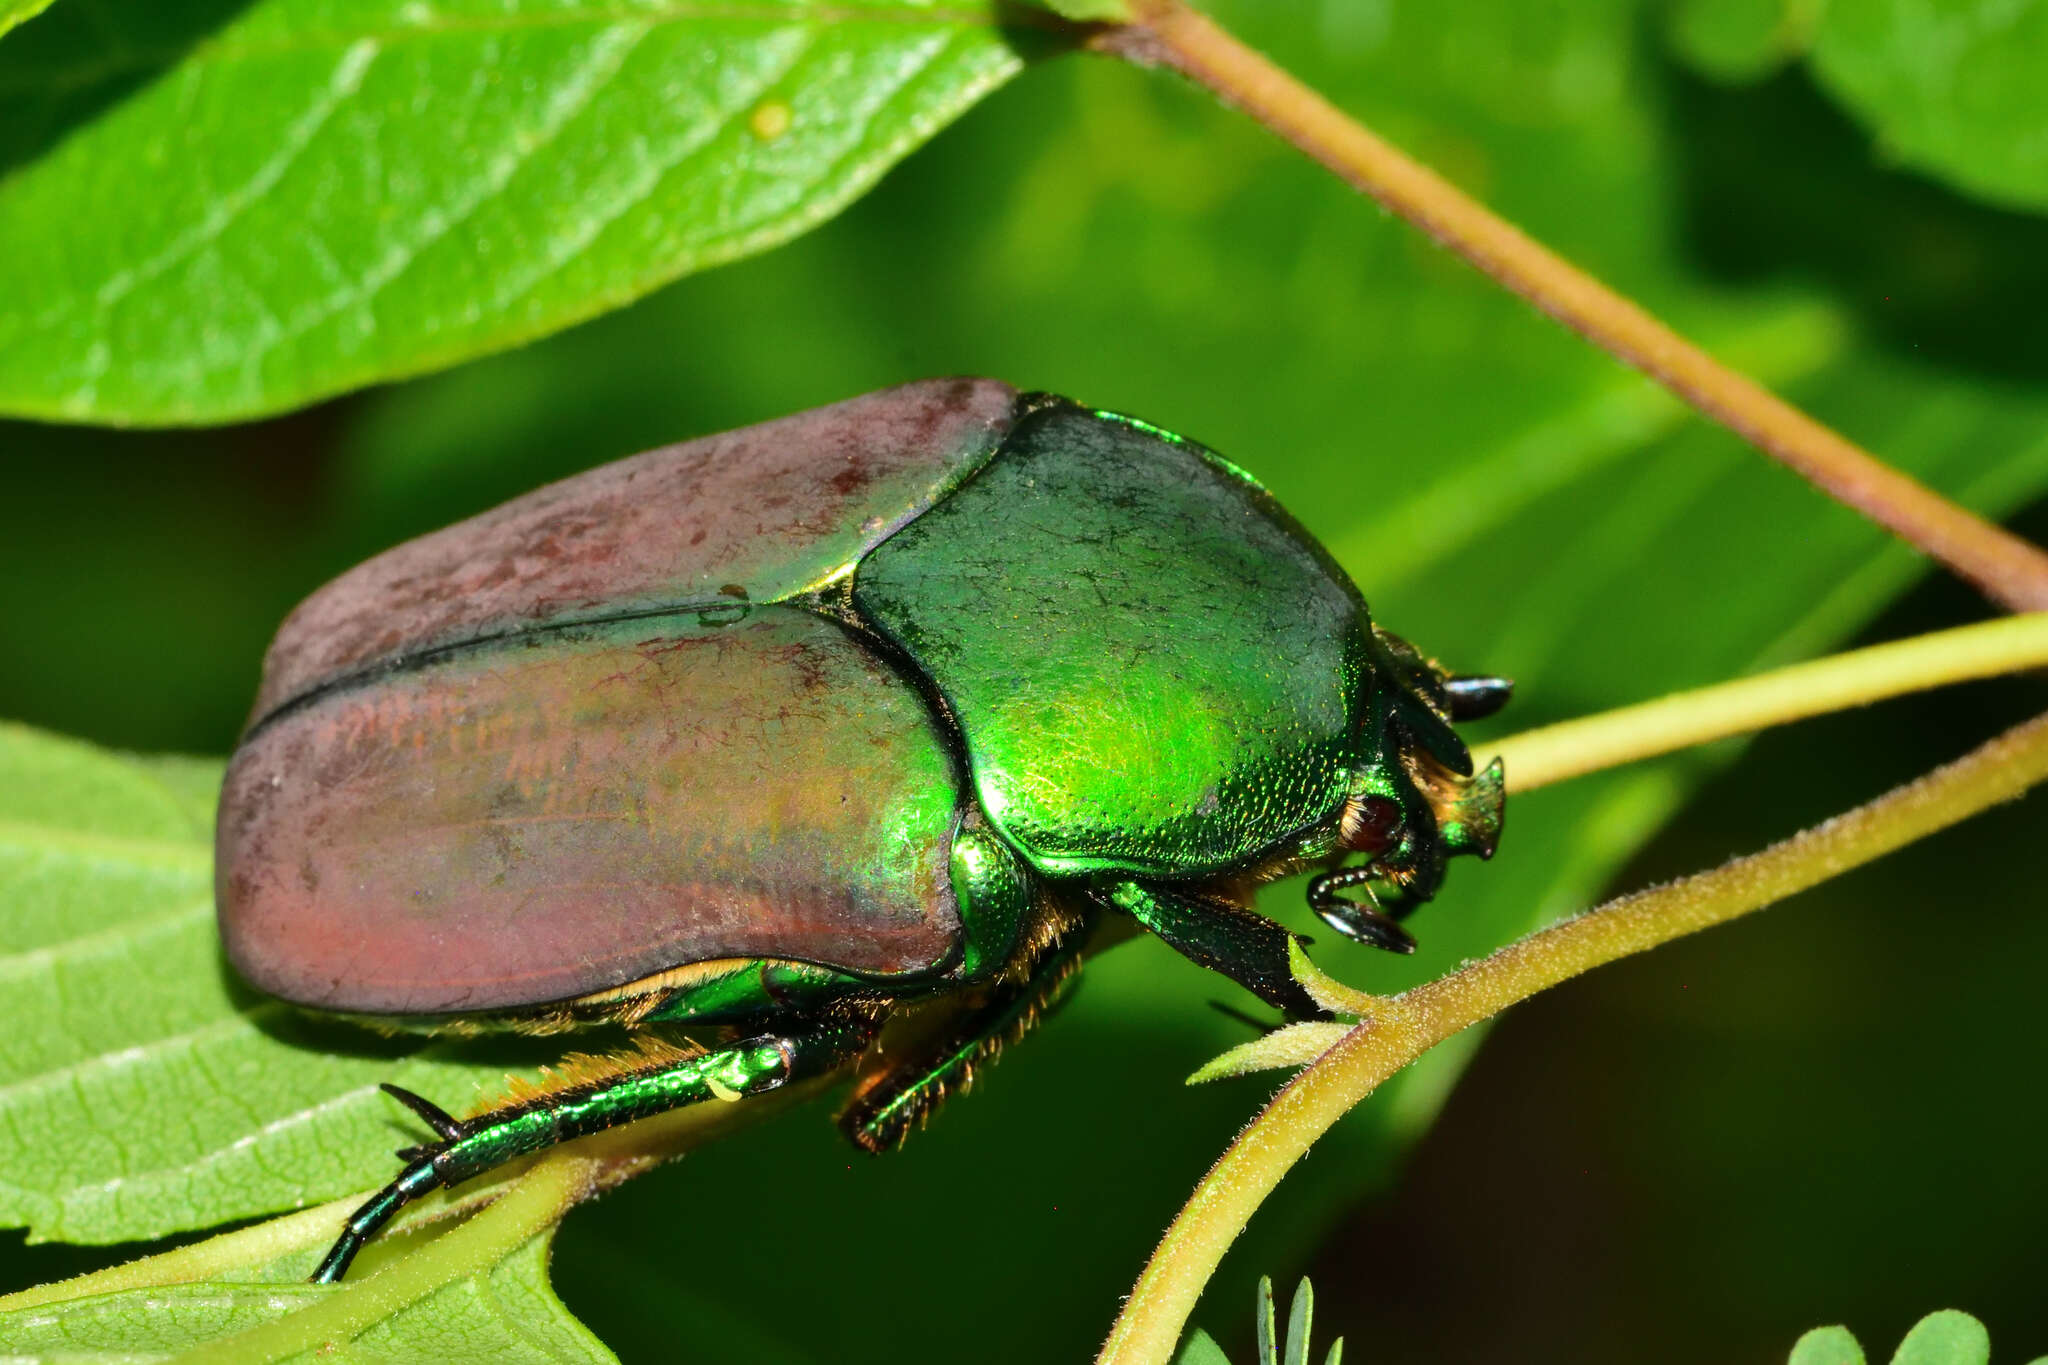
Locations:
column 867, row 718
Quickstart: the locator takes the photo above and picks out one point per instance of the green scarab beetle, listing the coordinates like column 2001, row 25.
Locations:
column 878, row 711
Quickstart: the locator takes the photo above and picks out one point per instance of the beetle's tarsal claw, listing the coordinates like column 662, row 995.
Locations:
column 1362, row 923
column 1367, row 925
column 436, row 1118
column 1475, row 697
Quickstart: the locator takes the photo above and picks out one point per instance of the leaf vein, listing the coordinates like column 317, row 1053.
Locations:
column 609, row 53
column 342, row 83
column 240, row 1021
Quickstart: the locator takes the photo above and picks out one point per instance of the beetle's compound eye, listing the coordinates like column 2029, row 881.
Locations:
column 1372, row 824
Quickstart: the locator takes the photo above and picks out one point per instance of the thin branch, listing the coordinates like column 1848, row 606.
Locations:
column 1404, row 1027
column 2005, row 567
column 1536, row 758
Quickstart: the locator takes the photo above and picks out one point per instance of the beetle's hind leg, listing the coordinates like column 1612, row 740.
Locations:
column 658, row 1083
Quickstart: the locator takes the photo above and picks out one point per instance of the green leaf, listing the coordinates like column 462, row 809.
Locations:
column 1290, row 1046
column 508, row 1316
column 1951, row 89
column 1827, row 1346
column 1268, row 1348
column 1949, row 1337
column 1091, row 11
column 1739, row 40
column 145, row 1091
column 1201, row 1349
column 343, row 195
column 13, row 12
column 1300, row 1322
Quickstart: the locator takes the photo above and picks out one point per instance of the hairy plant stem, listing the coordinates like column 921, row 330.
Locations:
column 517, row 1205
column 1536, row 758
column 533, row 1204
column 214, row 1257
column 1399, row 1029
column 2005, row 567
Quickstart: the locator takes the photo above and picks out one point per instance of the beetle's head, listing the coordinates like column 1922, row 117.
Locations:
column 1415, row 802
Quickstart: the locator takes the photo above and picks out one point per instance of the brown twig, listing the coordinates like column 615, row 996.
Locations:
column 1167, row 33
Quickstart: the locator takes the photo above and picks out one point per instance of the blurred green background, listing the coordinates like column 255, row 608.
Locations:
column 1831, row 1113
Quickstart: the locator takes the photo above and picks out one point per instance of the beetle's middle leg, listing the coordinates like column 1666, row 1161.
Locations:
column 469, row 1147
column 893, row 1096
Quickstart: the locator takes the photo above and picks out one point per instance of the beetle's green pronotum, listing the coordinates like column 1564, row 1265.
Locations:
column 792, row 733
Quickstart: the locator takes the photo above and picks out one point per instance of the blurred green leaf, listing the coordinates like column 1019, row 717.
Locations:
column 146, row 1092
column 14, row 12
column 1949, row 1337
column 1946, row 1337
column 509, row 1316
column 1091, row 11
column 341, row 195
column 1740, row 40
column 1952, row 90
column 1827, row 1346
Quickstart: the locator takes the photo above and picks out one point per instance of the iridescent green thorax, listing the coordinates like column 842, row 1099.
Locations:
column 1153, row 669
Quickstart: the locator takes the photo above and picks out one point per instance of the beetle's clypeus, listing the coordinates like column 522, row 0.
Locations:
column 788, row 732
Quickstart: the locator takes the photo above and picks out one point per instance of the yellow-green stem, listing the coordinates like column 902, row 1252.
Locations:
column 608, row 1159
column 1405, row 1026
column 533, row 1204
column 216, row 1256
column 1167, row 32
column 1536, row 758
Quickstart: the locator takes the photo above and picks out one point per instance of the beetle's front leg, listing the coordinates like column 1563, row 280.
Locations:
column 469, row 1147
column 1246, row 947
